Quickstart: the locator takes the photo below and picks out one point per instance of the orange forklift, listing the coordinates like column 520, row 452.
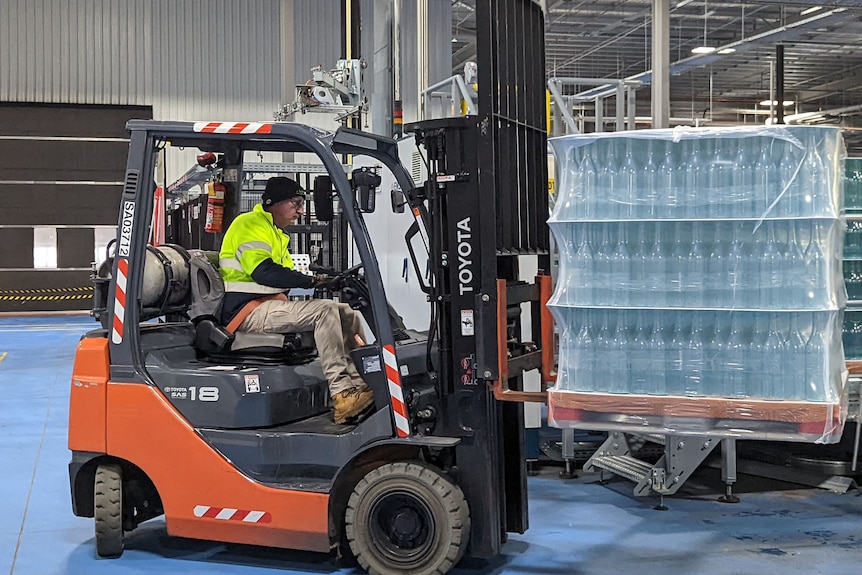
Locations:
column 230, row 435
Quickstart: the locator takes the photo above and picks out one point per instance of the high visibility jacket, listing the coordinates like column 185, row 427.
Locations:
column 251, row 239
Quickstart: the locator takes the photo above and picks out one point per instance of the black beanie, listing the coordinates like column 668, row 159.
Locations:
column 279, row 189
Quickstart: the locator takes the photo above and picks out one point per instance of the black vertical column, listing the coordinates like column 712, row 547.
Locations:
column 779, row 84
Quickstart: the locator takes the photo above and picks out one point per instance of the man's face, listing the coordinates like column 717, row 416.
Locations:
column 287, row 212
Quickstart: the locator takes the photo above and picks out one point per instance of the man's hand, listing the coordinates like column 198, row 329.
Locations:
column 320, row 280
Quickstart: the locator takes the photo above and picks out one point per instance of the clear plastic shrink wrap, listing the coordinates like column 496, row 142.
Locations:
column 853, row 259
column 700, row 288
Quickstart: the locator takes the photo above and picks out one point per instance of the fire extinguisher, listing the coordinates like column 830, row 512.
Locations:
column 215, row 207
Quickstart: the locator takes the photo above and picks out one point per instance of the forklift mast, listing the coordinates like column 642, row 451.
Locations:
column 487, row 205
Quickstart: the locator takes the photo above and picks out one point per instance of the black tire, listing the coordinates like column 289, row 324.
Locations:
column 407, row 518
column 108, row 503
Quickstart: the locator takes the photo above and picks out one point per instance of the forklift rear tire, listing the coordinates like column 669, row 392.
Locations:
column 407, row 518
column 108, row 504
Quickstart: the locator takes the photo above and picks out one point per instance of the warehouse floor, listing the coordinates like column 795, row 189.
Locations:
column 577, row 526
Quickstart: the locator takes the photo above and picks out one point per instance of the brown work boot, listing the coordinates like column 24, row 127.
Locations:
column 352, row 402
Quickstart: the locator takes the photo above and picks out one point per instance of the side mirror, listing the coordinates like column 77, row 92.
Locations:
column 365, row 182
column 398, row 199
column 323, row 210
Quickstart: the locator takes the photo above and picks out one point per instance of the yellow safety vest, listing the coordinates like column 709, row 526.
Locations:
column 251, row 239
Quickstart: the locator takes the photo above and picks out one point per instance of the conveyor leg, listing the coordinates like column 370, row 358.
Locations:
column 568, row 454
column 728, row 469
column 856, row 447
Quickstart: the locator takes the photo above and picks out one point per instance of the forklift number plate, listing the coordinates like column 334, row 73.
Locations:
column 467, row 326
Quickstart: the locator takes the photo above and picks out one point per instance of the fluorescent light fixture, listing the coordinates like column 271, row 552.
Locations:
column 727, row 51
column 684, row 3
column 810, row 10
column 775, row 103
column 703, row 50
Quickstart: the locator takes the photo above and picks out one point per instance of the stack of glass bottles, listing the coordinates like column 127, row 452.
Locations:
column 853, row 258
column 700, row 285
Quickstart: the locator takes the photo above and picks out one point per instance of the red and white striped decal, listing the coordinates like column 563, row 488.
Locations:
column 120, row 300
column 399, row 409
column 228, row 514
column 232, row 127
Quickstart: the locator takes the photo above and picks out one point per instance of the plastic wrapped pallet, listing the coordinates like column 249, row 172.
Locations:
column 700, row 288
column 853, row 258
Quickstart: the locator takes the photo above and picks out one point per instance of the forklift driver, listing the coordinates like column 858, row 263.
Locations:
column 257, row 269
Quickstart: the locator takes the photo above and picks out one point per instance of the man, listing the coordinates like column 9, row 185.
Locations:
column 257, row 269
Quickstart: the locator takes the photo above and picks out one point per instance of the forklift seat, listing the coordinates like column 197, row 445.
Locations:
column 216, row 342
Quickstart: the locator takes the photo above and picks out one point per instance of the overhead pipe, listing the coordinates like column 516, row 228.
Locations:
column 833, row 112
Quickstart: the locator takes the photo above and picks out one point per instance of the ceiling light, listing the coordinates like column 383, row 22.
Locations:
column 727, row 51
column 684, row 3
column 775, row 103
column 810, row 10
column 705, row 48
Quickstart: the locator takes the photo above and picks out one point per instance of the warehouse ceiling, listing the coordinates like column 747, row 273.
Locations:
column 612, row 39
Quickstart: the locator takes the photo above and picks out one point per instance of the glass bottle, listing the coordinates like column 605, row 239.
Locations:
column 815, row 263
column 655, row 274
column 741, row 196
column 737, row 271
column 675, row 350
column 609, row 182
column 616, row 368
column 650, row 188
column 693, row 357
column 715, row 377
column 797, row 280
column 795, row 367
column 815, row 373
column 692, row 176
column 621, row 266
column 629, row 172
column 771, row 267
column 696, row 268
column 583, row 275
column 640, row 360
column 667, row 181
column 588, row 178
column 817, row 186
column 774, row 357
column 658, row 356
column 602, row 250
column 677, row 263
column 584, row 359
column 737, row 353
column 757, row 376
column 715, row 278
column 765, row 169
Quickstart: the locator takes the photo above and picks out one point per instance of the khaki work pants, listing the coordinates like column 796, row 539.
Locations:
column 334, row 326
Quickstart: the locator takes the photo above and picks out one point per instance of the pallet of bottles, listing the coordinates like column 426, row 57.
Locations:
column 764, row 374
column 700, row 287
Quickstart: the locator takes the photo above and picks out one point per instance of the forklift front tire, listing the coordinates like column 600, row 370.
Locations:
column 108, row 506
column 407, row 518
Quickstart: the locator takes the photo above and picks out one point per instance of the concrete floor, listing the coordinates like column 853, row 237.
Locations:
column 577, row 526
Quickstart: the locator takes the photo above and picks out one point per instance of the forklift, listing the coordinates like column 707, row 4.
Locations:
column 230, row 436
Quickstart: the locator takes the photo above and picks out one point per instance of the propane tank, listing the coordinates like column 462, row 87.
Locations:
column 166, row 277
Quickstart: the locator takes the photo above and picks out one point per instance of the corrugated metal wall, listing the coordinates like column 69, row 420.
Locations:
column 318, row 30
column 189, row 59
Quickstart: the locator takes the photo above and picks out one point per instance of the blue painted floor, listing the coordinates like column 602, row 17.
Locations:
column 577, row 526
